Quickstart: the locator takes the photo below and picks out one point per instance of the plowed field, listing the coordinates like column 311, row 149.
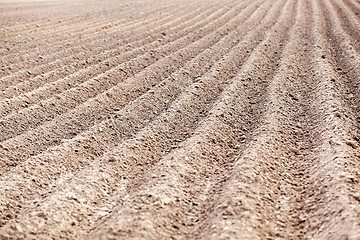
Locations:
column 158, row 119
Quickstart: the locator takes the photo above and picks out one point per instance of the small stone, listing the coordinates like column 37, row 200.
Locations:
column 295, row 150
column 112, row 159
column 268, row 196
column 351, row 178
column 352, row 144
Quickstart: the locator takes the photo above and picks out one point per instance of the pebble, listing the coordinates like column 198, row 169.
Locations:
column 268, row 196
column 112, row 159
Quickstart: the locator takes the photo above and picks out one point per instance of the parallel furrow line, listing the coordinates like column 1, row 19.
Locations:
column 62, row 22
column 235, row 203
column 169, row 88
column 42, row 71
column 109, row 59
column 105, row 20
column 162, row 188
column 327, row 176
column 348, row 59
column 67, row 46
column 96, row 109
column 105, row 28
column 74, row 96
column 355, row 7
column 77, row 51
column 64, row 18
column 348, row 22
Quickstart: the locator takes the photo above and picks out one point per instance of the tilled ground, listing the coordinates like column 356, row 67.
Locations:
column 208, row 119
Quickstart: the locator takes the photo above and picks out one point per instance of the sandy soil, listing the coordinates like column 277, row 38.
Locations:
column 180, row 119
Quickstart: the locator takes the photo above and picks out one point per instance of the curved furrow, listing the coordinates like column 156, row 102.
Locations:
column 11, row 26
column 77, row 52
column 75, row 49
column 59, row 40
column 176, row 181
column 354, row 6
column 12, row 82
column 305, row 187
column 63, row 18
column 68, row 99
column 108, row 60
column 252, row 198
column 34, row 29
column 335, row 160
column 348, row 22
column 349, row 10
column 45, row 73
column 164, row 94
column 116, row 18
column 76, row 95
column 123, row 40
column 71, row 50
column 98, row 108
column 123, row 11
column 63, row 45
column 100, row 31
column 347, row 59
column 163, row 119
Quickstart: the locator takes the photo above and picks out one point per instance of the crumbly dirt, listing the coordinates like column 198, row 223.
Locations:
column 180, row 119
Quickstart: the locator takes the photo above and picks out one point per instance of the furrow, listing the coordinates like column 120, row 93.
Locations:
column 35, row 28
column 74, row 96
column 139, row 19
column 335, row 159
column 88, row 26
column 346, row 58
column 160, row 94
column 75, row 22
column 178, row 178
column 97, row 109
column 109, row 60
column 66, row 37
column 10, row 10
column 76, row 50
column 39, row 74
column 156, row 119
column 304, row 197
column 252, row 198
column 100, row 35
column 61, row 19
column 355, row 7
column 348, row 22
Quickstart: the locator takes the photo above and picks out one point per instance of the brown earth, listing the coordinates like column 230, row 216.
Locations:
column 178, row 119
